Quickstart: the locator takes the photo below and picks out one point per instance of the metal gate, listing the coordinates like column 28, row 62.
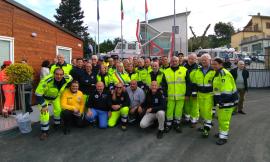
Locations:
column 259, row 71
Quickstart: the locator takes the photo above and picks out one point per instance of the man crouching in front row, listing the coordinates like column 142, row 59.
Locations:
column 155, row 104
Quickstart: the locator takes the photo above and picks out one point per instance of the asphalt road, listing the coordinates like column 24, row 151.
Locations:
column 249, row 141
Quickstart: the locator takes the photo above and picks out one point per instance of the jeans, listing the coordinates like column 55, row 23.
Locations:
column 101, row 115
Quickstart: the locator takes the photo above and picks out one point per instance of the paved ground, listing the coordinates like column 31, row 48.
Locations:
column 249, row 142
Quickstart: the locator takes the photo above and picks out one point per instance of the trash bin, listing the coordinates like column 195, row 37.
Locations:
column 24, row 123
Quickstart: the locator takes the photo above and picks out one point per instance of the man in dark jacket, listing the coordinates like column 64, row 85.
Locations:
column 154, row 105
column 99, row 104
column 240, row 75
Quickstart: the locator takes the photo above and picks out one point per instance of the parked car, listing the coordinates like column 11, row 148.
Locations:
column 247, row 60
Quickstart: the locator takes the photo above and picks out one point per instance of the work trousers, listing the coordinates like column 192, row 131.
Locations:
column 149, row 118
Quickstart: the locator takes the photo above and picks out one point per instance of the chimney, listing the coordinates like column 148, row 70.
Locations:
column 259, row 14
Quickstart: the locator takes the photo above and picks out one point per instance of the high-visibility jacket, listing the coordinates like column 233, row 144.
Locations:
column 158, row 78
column 225, row 91
column 48, row 89
column 176, row 83
column 120, row 78
column 106, row 79
column 142, row 74
column 111, row 70
column 192, row 71
column 66, row 68
column 163, row 68
column 204, row 82
column 132, row 76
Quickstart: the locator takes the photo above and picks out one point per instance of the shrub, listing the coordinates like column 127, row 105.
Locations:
column 19, row 73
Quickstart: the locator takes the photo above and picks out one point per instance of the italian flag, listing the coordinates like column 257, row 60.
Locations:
column 122, row 11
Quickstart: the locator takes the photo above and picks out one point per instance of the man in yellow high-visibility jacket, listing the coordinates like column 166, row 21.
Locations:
column 175, row 83
column 61, row 64
column 48, row 91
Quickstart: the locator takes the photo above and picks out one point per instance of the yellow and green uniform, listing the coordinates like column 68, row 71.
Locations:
column 174, row 84
column 49, row 91
column 106, row 79
column 124, row 102
column 132, row 76
column 226, row 97
column 154, row 77
column 191, row 109
column 111, row 70
column 204, row 82
column 163, row 68
column 66, row 68
column 142, row 74
column 118, row 77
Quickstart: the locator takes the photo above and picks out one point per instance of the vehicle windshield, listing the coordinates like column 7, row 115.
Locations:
column 224, row 54
column 118, row 46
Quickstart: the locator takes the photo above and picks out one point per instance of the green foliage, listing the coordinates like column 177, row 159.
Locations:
column 19, row 73
column 106, row 46
column 222, row 37
column 70, row 16
column 109, row 45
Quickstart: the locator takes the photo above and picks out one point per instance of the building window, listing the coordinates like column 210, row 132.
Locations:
column 256, row 27
column 245, row 49
column 257, row 49
column 175, row 29
column 268, row 25
column 6, row 49
column 66, row 51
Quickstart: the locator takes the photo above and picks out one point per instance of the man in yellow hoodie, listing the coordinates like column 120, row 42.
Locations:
column 72, row 104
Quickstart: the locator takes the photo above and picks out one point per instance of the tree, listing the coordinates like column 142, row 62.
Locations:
column 106, row 46
column 224, row 32
column 116, row 40
column 70, row 16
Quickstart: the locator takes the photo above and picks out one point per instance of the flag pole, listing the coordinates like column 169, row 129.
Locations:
column 98, row 23
column 146, row 23
column 98, row 37
column 122, row 17
column 174, row 27
column 122, row 56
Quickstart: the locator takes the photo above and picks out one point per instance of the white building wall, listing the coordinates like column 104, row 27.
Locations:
column 165, row 25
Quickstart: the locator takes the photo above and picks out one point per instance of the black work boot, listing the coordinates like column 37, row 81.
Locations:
column 167, row 128
column 221, row 141
column 178, row 128
column 160, row 134
column 66, row 131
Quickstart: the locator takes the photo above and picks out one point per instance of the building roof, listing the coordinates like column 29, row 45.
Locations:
column 169, row 16
column 22, row 7
column 262, row 16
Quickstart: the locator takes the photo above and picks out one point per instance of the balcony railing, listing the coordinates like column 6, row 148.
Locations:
column 254, row 38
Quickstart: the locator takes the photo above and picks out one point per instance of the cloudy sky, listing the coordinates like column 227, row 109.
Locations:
column 203, row 12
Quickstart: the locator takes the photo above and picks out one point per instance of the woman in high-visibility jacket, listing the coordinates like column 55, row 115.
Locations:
column 8, row 90
column 225, row 97
column 104, row 77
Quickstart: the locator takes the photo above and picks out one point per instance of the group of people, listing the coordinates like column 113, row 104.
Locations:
column 143, row 91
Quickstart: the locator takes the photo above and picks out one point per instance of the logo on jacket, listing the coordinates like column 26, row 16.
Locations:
column 96, row 96
column 156, row 100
